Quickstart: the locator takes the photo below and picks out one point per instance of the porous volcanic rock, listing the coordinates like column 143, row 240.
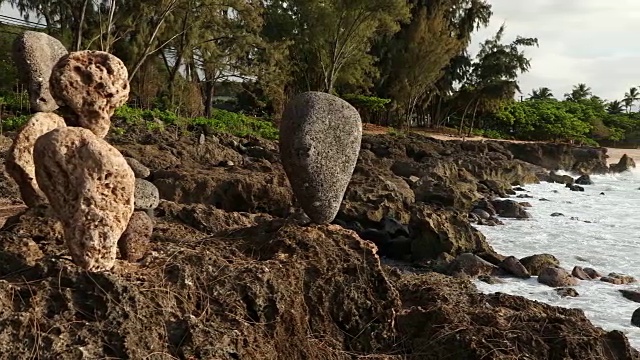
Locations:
column 90, row 188
column 134, row 242
column 35, row 54
column 147, row 196
column 92, row 84
column 320, row 137
column 19, row 162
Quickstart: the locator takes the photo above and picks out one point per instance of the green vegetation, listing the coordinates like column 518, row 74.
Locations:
column 220, row 121
column 401, row 63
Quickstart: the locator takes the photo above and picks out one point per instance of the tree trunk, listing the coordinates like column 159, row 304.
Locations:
column 81, row 24
column 473, row 119
column 208, row 98
column 466, row 109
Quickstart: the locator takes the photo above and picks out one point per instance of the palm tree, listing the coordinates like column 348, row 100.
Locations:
column 615, row 107
column 631, row 97
column 579, row 92
column 543, row 93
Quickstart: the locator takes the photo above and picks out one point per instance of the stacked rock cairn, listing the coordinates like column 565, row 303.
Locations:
column 65, row 162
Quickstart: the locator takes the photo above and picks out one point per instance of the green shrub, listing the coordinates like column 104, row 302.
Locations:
column 238, row 124
column 14, row 122
column 221, row 121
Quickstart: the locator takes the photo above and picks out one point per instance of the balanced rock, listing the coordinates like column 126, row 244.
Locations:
column 147, row 196
column 135, row 240
column 90, row 188
column 35, row 54
column 92, row 84
column 320, row 137
column 19, row 163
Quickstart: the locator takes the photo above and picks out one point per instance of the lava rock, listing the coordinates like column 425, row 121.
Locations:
column 35, row 54
column 90, row 188
column 146, row 194
column 584, row 180
column 92, row 84
column 19, row 163
column 320, row 136
column 135, row 241
column 556, row 277
column 139, row 170
column 535, row 263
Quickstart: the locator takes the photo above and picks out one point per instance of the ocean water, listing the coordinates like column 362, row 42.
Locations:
column 609, row 243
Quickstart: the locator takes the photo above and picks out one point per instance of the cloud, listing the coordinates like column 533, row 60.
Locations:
column 581, row 41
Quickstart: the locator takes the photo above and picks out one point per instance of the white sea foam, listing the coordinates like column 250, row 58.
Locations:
column 606, row 237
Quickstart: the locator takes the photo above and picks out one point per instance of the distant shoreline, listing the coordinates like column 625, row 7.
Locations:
column 614, row 153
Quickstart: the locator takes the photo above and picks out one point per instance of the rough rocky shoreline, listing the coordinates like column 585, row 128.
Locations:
column 231, row 274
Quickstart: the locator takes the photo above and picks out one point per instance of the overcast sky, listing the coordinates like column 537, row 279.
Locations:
column 590, row 41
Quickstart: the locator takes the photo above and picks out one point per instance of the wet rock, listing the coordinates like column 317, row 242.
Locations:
column 592, row 273
column 546, row 200
column 519, row 188
column 575, row 188
column 562, row 179
column 584, row 180
column 557, row 214
column 19, row 163
column 618, row 279
column 626, row 163
column 482, row 214
column 139, row 170
column 320, row 136
column 135, row 241
column 524, row 196
column 535, row 263
column 632, row 295
column 510, row 209
column 635, row 318
column 35, row 54
column 471, row 265
column 491, row 280
column 525, row 204
column 579, row 273
column 90, row 187
column 567, row 292
column 513, row 266
column 92, row 84
column 487, row 206
column 147, row 195
column 556, row 277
